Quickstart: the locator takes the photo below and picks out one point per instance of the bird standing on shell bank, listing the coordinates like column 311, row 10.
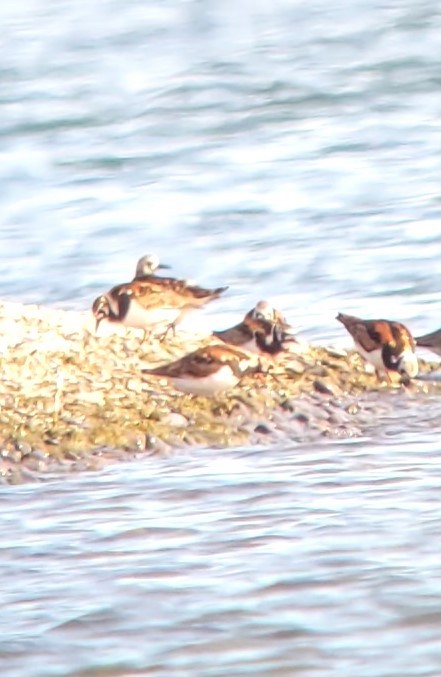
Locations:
column 150, row 302
column 388, row 345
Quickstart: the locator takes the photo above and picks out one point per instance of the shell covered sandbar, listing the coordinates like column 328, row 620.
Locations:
column 71, row 399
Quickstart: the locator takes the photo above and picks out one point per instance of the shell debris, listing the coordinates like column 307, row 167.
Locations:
column 66, row 393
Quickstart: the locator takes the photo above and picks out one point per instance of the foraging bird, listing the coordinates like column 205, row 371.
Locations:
column 151, row 303
column 265, row 311
column 208, row 370
column 431, row 341
column 389, row 346
column 263, row 330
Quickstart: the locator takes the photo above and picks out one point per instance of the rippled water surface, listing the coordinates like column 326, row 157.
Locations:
column 320, row 561
column 291, row 150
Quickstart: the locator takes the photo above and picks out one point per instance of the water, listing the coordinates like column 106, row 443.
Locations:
column 308, row 561
column 291, row 150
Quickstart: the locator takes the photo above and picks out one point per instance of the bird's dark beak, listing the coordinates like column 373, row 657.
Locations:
column 98, row 309
column 163, row 266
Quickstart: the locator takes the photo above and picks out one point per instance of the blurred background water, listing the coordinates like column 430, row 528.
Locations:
column 289, row 149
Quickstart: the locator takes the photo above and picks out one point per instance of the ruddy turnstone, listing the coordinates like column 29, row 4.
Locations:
column 208, row 370
column 265, row 311
column 389, row 346
column 263, row 330
column 148, row 265
column 151, row 303
column 431, row 341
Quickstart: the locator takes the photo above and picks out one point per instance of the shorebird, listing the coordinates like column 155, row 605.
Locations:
column 265, row 311
column 151, row 303
column 389, row 346
column 148, row 265
column 431, row 341
column 263, row 330
column 208, row 370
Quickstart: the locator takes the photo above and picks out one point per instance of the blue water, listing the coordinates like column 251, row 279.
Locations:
column 290, row 150
column 309, row 561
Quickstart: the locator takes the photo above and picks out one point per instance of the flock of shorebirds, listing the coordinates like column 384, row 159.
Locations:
column 158, row 304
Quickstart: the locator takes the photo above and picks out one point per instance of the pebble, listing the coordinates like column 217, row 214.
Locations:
column 135, row 385
column 263, row 429
column 295, row 367
column 319, row 370
column 175, row 420
column 336, row 352
column 94, row 397
column 300, row 418
column 322, row 387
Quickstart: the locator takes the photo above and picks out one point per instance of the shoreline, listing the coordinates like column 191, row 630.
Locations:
column 72, row 401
